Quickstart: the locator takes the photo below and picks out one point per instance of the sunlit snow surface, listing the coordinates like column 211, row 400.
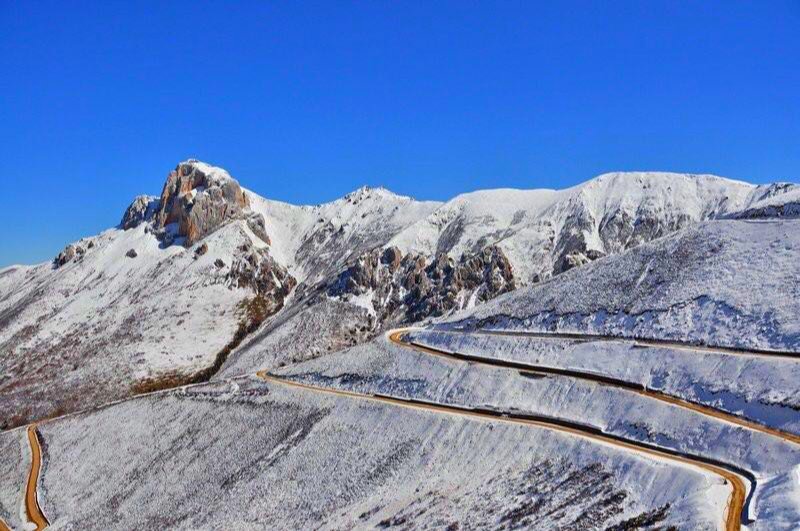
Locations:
column 262, row 456
column 243, row 453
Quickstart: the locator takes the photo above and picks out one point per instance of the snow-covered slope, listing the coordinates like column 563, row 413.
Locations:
column 725, row 283
column 315, row 242
column 247, row 454
column 167, row 296
column 485, row 243
column 545, row 232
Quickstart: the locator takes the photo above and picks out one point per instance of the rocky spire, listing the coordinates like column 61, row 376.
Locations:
column 196, row 200
column 199, row 198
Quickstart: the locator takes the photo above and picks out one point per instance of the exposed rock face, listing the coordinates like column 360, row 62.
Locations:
column 404, row 289
column 779, row 200
column 201, row 250
column 583, row 238
column 199, row 198
column 576, row 259
column 69, row 253
column 131, row 253
column 258, row 270
column 141, row 209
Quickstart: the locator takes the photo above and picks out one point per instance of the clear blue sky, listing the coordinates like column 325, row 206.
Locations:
column 304, row 102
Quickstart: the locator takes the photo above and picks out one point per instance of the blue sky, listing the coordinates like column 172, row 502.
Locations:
column 304, row 102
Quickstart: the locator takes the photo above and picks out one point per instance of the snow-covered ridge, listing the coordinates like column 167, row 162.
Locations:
column 169, row 283
column 545, row 232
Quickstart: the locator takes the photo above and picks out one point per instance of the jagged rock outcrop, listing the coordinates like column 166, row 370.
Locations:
column 408, row 288
column 198, row 198
column 583, row 238
column 576, row 258
column 69, row 253
column 140, row 210
column 258, row 270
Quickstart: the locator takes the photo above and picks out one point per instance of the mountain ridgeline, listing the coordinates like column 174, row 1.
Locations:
column 210, row 279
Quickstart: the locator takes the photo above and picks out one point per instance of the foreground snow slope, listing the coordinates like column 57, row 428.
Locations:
column 719, row 282
column 381, row 368
column 248, row 454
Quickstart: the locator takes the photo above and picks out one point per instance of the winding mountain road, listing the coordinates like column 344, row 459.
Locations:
column 736, row 500
column 736, row 510
column 400, row 337
column 741, row 481
column 35, row 514
column 638, row 341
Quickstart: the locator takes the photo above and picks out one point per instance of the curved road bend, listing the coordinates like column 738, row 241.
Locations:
column 399, row 337
column 736, row 501
column 738, row 497
column 35, row 514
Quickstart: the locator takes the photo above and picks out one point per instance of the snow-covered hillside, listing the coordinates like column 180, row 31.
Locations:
column 315, row 242
column 720, row 283
column 247, row 454
column 476, row 417
column 545, row 232
column 724, row 283
column 167, row 296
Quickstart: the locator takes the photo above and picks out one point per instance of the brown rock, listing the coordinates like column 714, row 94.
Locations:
column 392, row 257
column 199, row 199
column 65, row 256
column 141, row 209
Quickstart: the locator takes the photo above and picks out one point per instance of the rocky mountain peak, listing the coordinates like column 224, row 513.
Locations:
column 197, row 198
column 368, row 192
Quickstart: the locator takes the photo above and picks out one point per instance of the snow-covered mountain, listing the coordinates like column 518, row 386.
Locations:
column 212, row 279
column 532, row 430
column 619, row 355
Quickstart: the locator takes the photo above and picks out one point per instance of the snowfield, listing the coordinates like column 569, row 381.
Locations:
column 346, row 426
column 247, row 454
column 724, row 283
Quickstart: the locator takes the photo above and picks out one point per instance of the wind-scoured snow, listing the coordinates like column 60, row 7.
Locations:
column 607, row 214
column 313, row 241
